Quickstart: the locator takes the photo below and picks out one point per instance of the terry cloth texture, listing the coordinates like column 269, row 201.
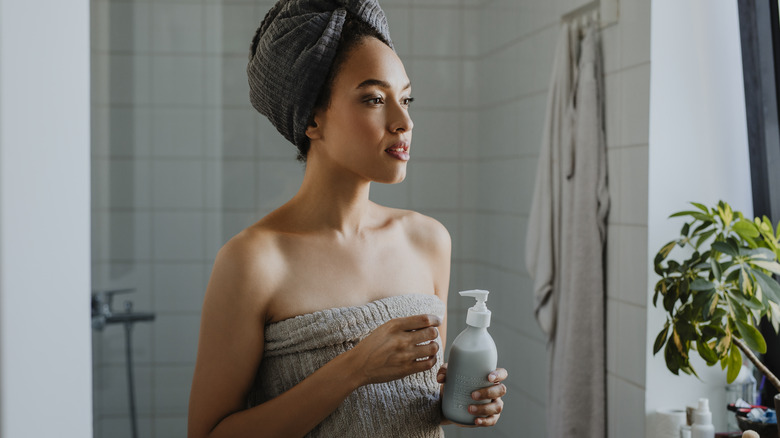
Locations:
column 296, row 347
column 291, row 55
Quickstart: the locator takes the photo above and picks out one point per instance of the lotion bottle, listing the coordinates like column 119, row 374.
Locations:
column 702, row 421
column 471, row 358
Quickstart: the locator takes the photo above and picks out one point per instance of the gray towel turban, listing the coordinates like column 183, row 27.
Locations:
column 292, row 53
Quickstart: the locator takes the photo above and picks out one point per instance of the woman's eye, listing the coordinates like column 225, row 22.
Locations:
column 408, row 101
column 375, row 100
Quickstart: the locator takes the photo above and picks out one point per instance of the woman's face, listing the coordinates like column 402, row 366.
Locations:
column 366, row 131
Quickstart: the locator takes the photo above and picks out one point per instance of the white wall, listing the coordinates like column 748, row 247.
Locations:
column 45, row 377
column 698, row 152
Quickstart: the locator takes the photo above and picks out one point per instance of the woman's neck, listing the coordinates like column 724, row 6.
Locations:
column 332, row 201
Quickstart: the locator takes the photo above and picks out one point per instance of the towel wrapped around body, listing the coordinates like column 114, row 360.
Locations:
column 296, row 347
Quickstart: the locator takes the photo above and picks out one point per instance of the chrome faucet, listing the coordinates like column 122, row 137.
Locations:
column 103, row 313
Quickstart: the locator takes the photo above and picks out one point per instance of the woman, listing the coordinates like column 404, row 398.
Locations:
column 326, row 317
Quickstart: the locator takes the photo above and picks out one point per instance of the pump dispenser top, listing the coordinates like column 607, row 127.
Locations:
column 479, row 315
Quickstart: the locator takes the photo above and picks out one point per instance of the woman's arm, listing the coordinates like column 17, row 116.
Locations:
column 230, row 349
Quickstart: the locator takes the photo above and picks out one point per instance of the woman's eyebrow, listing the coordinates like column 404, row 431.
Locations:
column 380, row 83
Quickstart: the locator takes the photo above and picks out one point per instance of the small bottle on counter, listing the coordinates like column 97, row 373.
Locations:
column 702, row 421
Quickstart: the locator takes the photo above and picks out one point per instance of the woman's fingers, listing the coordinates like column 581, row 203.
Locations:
column 417, row 322
column 441, row 375
column 498, row 375
column 490, row 393
column 487, row 409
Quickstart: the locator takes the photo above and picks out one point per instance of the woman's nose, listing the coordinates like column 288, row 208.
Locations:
column 401, row 121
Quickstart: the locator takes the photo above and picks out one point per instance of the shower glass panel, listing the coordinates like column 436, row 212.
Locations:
column 180, row 163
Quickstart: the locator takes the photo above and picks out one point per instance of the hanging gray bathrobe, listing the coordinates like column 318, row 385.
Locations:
column 566, row 239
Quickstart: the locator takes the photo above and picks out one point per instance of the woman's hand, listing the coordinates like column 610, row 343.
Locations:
column 488, row 413
column 394, row 349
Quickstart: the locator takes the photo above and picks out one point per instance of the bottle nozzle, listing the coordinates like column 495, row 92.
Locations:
column 479, row 315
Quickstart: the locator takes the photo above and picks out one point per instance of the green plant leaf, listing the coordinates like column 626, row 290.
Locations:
column 768, row 285
column 715, row 266
column 685, row 213
column 701, row 207
column 704, row 236
column 746, row 229
column 706, row 353
column 661, row 339
column 725, row 248
column 735, row 363
column 702, row 301
column 702, row 284
column 764, row 254
column 751, row 336
column 670, row 356
column 772, row 267
column 665, row 250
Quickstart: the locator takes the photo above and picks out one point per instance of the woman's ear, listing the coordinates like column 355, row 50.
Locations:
column 314, row 129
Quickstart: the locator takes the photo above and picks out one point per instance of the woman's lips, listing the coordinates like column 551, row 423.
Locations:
column 399, row 151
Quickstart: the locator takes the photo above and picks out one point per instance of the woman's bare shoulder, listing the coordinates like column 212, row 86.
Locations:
column 423, row 231
column 249, row 263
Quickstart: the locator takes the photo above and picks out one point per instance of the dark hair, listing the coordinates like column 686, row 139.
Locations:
column 353, row 33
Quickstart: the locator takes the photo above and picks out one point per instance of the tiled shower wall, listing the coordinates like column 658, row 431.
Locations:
column 182, row 162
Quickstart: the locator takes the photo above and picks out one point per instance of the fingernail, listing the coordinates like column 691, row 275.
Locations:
column 472, row 409
column 492, row 377
column 475, row 395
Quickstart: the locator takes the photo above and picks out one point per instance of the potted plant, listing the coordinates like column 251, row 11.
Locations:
column 715, row 298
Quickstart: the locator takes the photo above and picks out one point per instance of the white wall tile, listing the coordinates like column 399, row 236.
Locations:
column 399, row 21
column 238, row 185
column 633, row 180
column 436, row 134
column 175, row 338
column 434, row 184
column 611, row 48
column 613, row 113
column 270, row 143
column 632, row 265
column 236, row 133
column 626, row 405
column 635, row 105
column 177, row 184
column 614, row 184
column 177, row 28
column 471, row 83
column 128, row 79
column 612, row 329
column 436, row 83
column 121, row 183
column 129, row 132
column 129, row 27
column 236, row 25
column 436, row 32
column 172, row 389
column 112, row 338
column 634, row 28
column 119, row 427
column 178, row 80
column 170, row 426
column 179, row 236
column 631, row 343
column 470, row 33
column 128, row 236
column 112, row 387
column 179, row 286
column 277, row 182
column 390, row 195
column 177, row 132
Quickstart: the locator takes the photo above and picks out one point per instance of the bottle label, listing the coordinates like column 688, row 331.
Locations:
column 464, row 386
